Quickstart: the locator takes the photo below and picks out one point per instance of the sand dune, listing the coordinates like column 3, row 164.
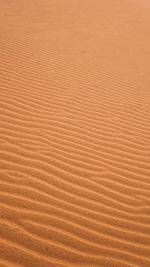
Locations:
column 74, row 133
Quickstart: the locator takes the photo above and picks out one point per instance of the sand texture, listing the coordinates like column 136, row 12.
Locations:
column 74, row 133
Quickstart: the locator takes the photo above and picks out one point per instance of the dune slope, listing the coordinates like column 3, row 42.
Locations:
column 74, row 133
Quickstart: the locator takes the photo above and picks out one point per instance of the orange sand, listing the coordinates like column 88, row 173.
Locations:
column 74, row 133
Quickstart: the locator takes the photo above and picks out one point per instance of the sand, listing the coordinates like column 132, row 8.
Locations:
column 74, row 133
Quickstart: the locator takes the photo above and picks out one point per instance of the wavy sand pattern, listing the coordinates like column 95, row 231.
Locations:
column 74, row 133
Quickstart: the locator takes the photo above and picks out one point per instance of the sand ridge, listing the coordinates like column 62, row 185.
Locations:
column 74, row 133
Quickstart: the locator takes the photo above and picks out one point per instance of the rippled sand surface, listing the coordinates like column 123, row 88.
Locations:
column 74, row 133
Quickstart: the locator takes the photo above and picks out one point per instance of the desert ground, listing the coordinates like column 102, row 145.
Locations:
column 75, row 133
